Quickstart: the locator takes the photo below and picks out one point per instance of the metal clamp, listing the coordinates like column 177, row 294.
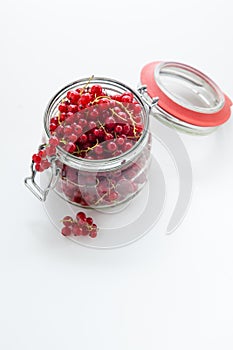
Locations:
column 151, row 102
column 39, row 192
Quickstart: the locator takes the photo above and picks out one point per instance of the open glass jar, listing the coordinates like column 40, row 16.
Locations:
column 111, row 134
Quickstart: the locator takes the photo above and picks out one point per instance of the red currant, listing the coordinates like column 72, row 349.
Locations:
column 110, row 122
column 36, row 158
column 73, row 138
column 78, row 130
column 108, row 137
column 126, row 128
column 120, row 141
column 118, row 129
column 81, row 216
column 38, row 167
column 104, row 104
column 77, row 230
column 98, row 149
column 92, row 125
column 50, row 150
column 127, row 146
column 53, row 141
column 94, row 113
column 45, row 164
column 93, row 233
column 52, row 127
column 70, row 147
column 68, row 130
column 82, row 123
column 63, row 107
column 85, row 99
column 127, row 98
column 96, row 90
column 83, row 138
column 73, row 96
column 66, row 231
column 89, row 220
column 111, row 146
column 72, row 108
column 67, row 221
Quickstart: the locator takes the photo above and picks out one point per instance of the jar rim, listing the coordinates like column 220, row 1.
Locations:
column 68, row 158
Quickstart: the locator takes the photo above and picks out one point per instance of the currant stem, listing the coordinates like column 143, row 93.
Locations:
column 100, row 199
column 86, row 85
column 114, row 113
column 70, row 220
column 102, row 127
column 78, row 185
column 99, row 98
column 130, row 116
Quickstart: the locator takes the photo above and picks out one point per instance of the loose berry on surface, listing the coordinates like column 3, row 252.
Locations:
column 80, row 226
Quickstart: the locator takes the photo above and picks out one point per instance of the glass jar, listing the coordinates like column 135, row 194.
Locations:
column 97, row 183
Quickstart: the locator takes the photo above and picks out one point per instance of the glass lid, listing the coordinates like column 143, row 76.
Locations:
column 185, row 95
column 189, row 87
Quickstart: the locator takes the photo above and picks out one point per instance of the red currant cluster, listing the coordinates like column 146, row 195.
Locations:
column 94, row 125
column 82, row 226
column 102, row 188
column 41, row 159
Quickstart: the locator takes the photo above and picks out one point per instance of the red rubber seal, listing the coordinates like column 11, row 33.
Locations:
column 178, row 111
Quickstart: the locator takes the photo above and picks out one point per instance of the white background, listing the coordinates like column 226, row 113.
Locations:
column 162, row 292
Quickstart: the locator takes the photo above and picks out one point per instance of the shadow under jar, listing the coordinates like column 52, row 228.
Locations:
column 103, row 154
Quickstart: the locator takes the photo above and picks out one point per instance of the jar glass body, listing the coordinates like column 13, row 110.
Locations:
column 105, row 182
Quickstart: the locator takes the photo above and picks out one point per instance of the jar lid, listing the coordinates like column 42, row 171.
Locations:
column 186, row 95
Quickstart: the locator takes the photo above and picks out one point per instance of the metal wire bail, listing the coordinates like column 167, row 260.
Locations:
column 33, row 186
column 150, row 102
